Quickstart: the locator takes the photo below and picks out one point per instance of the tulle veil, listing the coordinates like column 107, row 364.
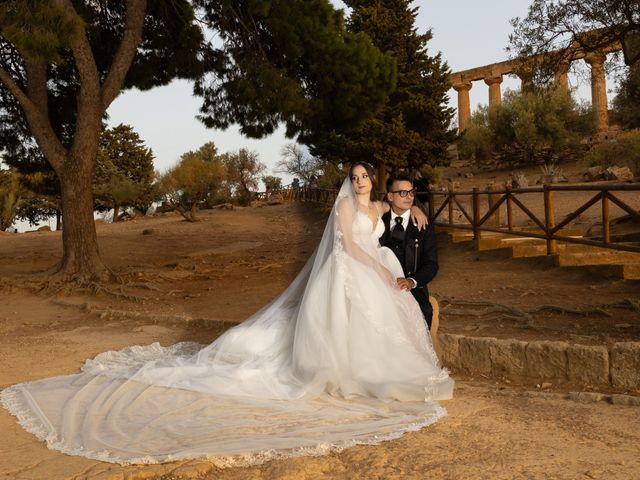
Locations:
column 265, row 389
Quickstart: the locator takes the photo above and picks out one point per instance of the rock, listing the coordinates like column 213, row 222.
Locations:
column 45, row 228
column 627, row 400
column 546, row 359
column 507, row 358
column 549, row 179
column 474, row 354
column 546, row 385
column 450, row 349
column 588, row 365
column 148, row 231
column 586, row 397
column 625, row 365
column 594, row 173
column 618, row 173
column 520, row 181
column 468, row 175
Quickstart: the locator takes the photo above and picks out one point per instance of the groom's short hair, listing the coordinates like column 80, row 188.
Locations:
column 398, row 177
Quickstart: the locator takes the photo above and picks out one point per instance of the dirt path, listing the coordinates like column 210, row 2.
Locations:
column 181, row 278
column 491, row 431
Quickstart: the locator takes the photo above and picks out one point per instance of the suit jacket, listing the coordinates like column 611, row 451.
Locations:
column 418, row 257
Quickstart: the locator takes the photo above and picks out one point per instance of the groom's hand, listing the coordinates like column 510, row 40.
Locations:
column 405, row 284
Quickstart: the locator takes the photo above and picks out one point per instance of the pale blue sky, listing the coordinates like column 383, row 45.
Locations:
column 469, row 33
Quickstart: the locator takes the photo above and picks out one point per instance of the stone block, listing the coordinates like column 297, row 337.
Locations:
column 508, row 358
column 450, row 351
column 588, row 365
column 546, row 360
column 474, row 354
column 625, row 365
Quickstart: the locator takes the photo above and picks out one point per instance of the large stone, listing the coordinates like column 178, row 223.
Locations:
column 618, row 173
column 588, row 365
column 594, row 173
column 474, row 354
column 546, row 360
column 625, row 365
column 450, row 351
column 508, row 358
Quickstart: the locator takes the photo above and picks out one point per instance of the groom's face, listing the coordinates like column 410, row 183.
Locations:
column 399, row 203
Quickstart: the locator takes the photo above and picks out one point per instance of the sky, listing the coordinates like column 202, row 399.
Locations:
column 469, row 34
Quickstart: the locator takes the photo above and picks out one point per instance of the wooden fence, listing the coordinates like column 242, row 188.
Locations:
column 482, row 211
column 549, row 226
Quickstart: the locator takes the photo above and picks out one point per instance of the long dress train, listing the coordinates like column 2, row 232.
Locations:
column 342, row 357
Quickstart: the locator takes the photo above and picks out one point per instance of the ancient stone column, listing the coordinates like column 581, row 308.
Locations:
column 526, row 80
column 598, row 90
column 464, row 105
column 495, row 96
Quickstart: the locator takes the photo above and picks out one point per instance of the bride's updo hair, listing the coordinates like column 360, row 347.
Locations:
column 373, row 195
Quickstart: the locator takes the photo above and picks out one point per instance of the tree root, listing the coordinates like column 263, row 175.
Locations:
column 487, row 308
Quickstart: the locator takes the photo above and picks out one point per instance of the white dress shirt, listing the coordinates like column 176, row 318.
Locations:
column 406, row 216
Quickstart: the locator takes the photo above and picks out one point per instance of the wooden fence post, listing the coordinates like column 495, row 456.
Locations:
column 431, row 207
column 509, row 209
column 476, row 218
column 549, row 220
column 606, row 228
column 451, row 196
column 493, row 198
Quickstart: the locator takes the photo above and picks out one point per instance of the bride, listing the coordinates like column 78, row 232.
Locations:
column 342, row 357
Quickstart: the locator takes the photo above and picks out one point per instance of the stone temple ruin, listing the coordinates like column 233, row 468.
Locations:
column 462, row 82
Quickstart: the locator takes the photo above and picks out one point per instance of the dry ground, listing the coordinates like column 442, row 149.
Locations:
column 232, row 263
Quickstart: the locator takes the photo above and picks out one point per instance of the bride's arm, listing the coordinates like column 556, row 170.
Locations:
column 417, row 215
column 344, row 223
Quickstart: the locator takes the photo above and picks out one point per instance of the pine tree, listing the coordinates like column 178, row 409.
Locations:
column 412, row 129
column 123, row 175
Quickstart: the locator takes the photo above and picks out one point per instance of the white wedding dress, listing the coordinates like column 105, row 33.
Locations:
column 340, row 358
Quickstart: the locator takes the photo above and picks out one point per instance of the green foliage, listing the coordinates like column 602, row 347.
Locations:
column 243, row 174
column 194, row 180
column 10, row 195
column 626, row 104
column 272, row 183
column 621, row 151
column 38, row 29
column 412, row 128
column 290, row 61
column 429, row 174
column 123, row 175
column 527, row 128
column 552, row 29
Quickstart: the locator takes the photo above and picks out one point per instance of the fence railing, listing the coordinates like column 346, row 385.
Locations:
column 481, row 211
column 549, row 225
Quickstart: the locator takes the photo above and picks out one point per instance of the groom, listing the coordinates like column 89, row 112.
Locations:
column 416, row 249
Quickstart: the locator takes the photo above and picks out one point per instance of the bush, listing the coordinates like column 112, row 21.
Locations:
column 527, row 128
column 621, row 151
column 430, row 175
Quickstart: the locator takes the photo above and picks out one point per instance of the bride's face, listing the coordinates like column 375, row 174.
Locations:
column 361, row 181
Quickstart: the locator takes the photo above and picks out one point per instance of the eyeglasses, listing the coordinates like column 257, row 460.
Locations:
column 404, row 193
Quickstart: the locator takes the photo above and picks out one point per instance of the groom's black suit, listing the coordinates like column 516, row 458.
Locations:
column 418, row 257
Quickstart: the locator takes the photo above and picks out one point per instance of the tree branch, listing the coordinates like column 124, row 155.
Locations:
column 37, row 84
column 84, row 59
column 38, row 122
column 123, row 58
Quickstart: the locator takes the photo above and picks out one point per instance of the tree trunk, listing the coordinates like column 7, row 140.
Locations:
column 58, row 219
column 116, row 212
column 80, row 259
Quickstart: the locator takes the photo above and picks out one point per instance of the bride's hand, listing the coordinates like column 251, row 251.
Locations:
column 419, row 218
column 388, row 276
